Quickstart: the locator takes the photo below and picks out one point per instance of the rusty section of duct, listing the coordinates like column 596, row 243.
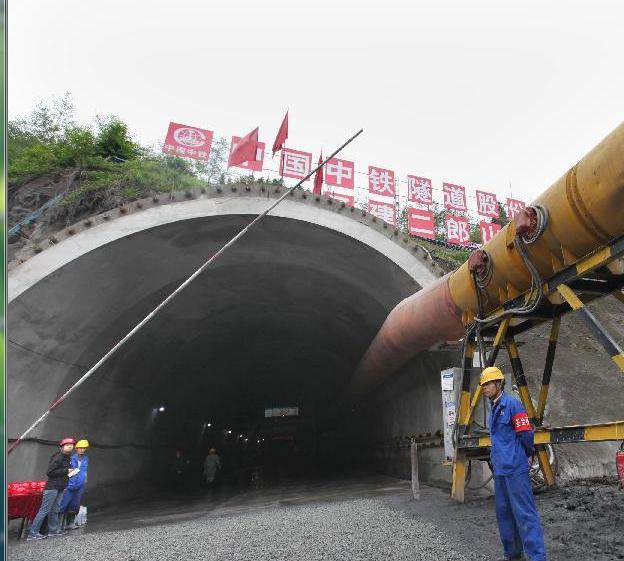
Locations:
column 579, row 213
column 414, row 325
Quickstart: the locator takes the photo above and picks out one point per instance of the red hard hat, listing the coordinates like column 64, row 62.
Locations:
column 67, row 440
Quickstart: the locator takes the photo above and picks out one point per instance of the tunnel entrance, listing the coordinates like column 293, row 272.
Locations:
column 279, row 322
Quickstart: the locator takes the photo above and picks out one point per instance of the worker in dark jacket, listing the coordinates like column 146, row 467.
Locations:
column 512, row 444
column 58, row 472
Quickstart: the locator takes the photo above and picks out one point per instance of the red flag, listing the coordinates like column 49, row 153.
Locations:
column 282, row 135
column 318, row 177
column 245, row 149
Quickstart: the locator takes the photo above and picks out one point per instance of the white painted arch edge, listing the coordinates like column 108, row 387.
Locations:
column 43, row 264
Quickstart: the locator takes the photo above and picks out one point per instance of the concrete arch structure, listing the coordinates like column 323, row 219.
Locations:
column 237, row 199
column 281, row 319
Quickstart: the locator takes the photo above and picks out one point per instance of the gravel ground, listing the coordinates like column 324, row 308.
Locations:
column 365, row 529
column 346, row 520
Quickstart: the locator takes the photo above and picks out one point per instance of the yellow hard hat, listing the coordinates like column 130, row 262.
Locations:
column 82, row 444
column 489, row 374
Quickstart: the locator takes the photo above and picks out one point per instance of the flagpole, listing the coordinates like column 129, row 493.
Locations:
column 169, row 298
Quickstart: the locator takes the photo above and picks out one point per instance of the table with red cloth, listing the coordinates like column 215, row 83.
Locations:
column 24, row 500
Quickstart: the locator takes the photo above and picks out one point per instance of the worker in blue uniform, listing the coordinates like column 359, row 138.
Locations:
column 512, row 445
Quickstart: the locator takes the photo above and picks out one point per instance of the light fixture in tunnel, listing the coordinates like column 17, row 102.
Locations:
column 161, row 408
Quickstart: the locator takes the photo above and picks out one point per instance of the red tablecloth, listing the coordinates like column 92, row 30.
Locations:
column 24, row 498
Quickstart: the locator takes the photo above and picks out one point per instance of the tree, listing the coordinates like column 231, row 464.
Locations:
column 113, row 140
column 439, row 221
column 49, row 120
column 34, row 139
column 402, row 221
column 215, row 169
column 475, row 232
column 502, row 216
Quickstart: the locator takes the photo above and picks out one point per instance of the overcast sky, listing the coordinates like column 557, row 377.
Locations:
column 479, row 93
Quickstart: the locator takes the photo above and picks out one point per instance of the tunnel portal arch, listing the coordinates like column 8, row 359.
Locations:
column 281, row 319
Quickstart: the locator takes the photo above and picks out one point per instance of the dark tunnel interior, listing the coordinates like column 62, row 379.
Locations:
column 251, row 359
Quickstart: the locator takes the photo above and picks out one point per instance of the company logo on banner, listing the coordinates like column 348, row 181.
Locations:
column 514, row 206
column 348, row 200
column 419, row 190
column 253, row 166
column 454, row 197
column 488, row 230
column 381, row 181
column 340, row 173
column 487, row 205
column 383, row 211
column 421, row 223
column 457, row 230
column 188, row 142
column 295, row 164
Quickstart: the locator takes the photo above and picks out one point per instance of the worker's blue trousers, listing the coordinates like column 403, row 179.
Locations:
column 518, row 519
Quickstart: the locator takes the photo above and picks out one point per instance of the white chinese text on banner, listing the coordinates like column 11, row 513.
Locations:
column 383, row 211
column 457, row 230
column 454, row 197
column 381, row 181
column 419, row 190
column 487, row 205
column 295, row 164
column 421, row 223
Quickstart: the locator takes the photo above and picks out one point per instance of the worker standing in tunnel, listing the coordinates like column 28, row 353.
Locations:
column 59, row 471
column 212, row 464
column 70, row 503
column 512, row 445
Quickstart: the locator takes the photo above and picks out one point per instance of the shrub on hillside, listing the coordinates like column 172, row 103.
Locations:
column 113, row 140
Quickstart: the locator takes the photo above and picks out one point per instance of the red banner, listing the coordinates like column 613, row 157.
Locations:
column 254, row 166
column 457, row 229
column 419, row 190
column 346, row 199
column 383, row 211
column 421, row 223
column 487, row 205
column 340, row 173
column 381, row 181
column 514, row 206
column 187, row 142
column 488, row 230
column 454, row 197
column 295, row 164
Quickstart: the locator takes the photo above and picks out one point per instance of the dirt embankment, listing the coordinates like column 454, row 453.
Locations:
column 26, row 199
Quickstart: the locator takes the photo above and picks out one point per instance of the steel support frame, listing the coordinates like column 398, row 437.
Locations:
column 468, row 445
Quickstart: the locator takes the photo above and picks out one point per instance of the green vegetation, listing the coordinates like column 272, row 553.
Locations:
column 111, row 163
